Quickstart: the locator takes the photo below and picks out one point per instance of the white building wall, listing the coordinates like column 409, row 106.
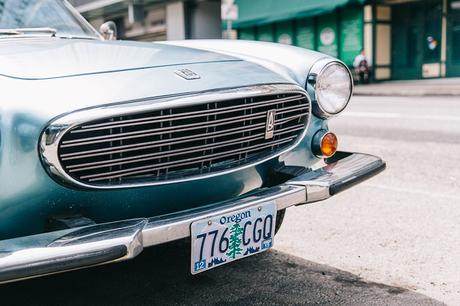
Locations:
column 175, row 21
column 205, row 21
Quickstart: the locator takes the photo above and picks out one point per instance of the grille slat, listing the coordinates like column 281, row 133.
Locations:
column 154, row 144
column 138, row 170
column 174, row 143
column 208, row 112
column 115, row 162
column 138, row 158
column 97, row 139
column 180, row 128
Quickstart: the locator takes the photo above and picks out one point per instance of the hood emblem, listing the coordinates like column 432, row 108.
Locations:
column 270, row 124
column 187, row 74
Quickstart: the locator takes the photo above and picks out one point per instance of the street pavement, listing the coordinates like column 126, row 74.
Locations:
column 427, row 87
column 161, row 276
column 392, row 240
column 402, row 227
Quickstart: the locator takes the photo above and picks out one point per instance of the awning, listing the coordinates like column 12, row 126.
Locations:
column 257, row 12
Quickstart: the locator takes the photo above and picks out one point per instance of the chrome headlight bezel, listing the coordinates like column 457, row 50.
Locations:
column 314, row 76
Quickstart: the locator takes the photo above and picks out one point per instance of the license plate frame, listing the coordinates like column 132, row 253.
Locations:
column 217, row 240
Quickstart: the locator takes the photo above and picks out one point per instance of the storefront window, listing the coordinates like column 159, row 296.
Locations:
column 455, row 33
column 456, row 42
column 432, row 39
column 351, row 34
column 246, row 34
column 327, row 36
column 284, row 32
column 265, row 33
column 305, row 34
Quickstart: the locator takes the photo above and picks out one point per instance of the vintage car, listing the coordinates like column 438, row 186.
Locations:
column 108, row 147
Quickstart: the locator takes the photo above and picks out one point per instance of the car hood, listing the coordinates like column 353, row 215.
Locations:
column 45, row 58
column 49, row 77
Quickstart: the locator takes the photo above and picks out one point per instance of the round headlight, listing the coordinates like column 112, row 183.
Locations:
column 333, row 88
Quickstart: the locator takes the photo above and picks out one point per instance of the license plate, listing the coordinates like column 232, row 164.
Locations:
column 225, row 238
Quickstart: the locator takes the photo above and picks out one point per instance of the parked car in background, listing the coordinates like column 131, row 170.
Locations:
column 107, row 147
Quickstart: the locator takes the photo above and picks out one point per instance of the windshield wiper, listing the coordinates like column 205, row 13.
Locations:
column 28, row 31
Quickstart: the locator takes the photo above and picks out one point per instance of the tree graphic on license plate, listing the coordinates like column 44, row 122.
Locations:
column 235, row 241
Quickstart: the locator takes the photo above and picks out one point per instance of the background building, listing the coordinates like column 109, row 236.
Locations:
column 405, row 39
column 155, row 19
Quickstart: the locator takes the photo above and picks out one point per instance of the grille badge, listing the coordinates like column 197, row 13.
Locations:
column 270, row 124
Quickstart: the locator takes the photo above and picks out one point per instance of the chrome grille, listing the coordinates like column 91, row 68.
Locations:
column 178, row 142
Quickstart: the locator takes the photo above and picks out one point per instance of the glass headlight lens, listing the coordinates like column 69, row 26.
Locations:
column 333, row 88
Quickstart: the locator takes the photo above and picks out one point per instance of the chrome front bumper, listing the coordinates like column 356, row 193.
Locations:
column 76, row 248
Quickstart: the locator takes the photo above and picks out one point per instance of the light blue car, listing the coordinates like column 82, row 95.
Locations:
column 107, row 147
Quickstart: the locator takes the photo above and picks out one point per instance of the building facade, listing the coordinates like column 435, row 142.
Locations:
column 151, row 20
column 404, row 39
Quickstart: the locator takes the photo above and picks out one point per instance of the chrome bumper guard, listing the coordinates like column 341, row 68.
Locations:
column 76, row 248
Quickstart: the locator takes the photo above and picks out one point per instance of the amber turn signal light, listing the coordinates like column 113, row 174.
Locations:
column 329, row 144
column 324, row 144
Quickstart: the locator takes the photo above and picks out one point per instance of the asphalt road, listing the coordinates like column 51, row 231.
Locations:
column 390, row 241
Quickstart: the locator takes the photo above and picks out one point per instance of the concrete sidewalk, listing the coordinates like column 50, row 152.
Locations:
column 432, row 87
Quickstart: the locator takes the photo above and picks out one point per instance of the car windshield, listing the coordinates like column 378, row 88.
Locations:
column 47, row 17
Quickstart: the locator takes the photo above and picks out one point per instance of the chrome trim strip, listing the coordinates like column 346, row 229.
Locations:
column 82, row 20
column 177, row 226
column 55, row 252
column 56, row 129
column 341, row 172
